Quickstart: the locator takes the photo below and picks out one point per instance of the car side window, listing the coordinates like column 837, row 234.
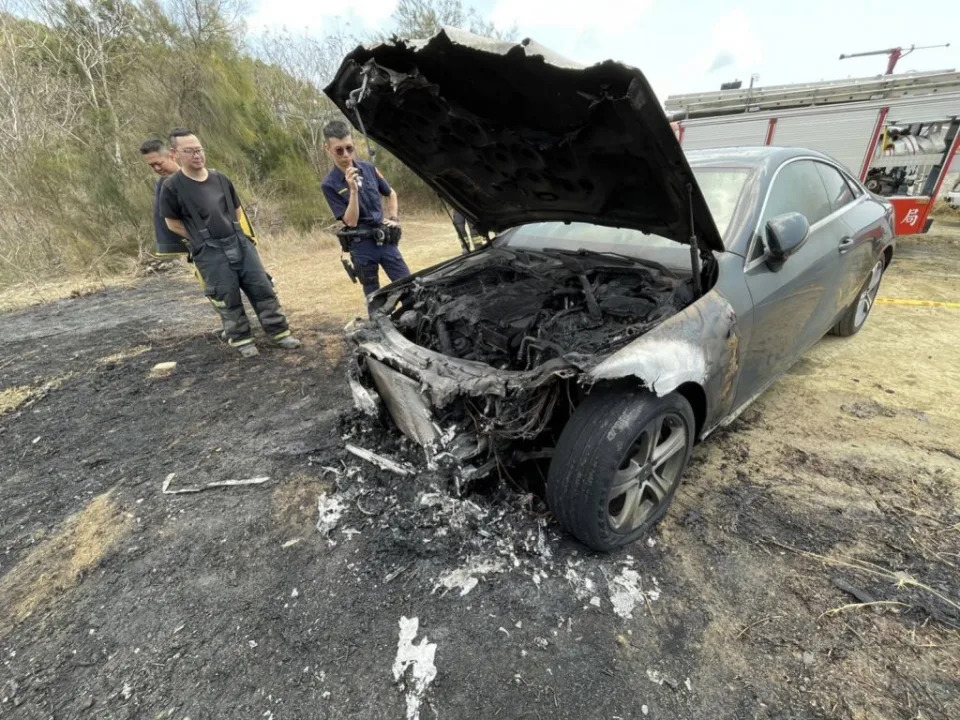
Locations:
column 797, row 188
column 838, row 190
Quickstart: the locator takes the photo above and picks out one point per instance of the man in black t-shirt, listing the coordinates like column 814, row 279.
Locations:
column 202, row 206
column 161, row 161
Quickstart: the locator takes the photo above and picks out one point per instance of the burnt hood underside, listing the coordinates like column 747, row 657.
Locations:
column 512, row 134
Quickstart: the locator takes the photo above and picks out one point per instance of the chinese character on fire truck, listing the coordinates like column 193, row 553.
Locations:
column 912, row 216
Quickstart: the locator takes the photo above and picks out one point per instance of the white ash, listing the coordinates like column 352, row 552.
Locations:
column 465, row 577
column 626, row 593
column 331, row 510
column 414, row 665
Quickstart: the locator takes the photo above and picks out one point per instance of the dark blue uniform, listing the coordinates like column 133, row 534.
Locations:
column 367, row 255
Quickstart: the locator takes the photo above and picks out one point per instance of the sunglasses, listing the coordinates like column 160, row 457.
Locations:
column 344, row 150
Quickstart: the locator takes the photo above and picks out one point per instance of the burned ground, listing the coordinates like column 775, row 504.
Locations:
column 838, row 488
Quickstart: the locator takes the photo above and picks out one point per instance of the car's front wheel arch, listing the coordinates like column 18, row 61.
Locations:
column 697, row 397
column 693, row 393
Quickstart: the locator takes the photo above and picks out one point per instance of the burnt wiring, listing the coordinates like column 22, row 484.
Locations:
column 520, row 309
column 516, row 310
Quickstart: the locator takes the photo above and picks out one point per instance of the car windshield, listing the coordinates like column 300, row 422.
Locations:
column 721, row 188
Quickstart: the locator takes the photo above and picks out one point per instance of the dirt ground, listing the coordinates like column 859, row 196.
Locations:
column 808, row 568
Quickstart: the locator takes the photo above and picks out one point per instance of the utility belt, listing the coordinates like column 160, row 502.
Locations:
column 348, row 237
column 381, row 234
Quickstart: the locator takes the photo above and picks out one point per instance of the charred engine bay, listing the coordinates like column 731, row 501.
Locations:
column 517, row 309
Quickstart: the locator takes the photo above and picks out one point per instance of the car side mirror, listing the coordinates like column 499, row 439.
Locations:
column 785, row 235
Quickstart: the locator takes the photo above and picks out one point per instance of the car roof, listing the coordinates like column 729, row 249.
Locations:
column 761, row 162
column 749, row 156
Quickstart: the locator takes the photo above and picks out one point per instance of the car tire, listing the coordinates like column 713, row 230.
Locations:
column 607, row 446
column 856, row 315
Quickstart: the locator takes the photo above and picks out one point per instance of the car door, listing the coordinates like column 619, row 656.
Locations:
column 857, row 247
column 790, row 302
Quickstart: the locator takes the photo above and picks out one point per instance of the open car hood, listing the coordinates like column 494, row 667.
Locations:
column 512, row 133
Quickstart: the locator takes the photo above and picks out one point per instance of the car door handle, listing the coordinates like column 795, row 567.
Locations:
column 846, row 243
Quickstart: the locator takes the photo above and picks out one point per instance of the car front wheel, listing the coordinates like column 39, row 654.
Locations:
column 618, row 464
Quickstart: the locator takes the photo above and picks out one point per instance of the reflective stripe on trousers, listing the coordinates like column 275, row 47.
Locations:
column 229, row 265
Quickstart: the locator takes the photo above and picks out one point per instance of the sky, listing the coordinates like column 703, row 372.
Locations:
column 686, row 46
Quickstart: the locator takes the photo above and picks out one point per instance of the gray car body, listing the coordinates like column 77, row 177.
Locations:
column 722, row 350
column 729, row 346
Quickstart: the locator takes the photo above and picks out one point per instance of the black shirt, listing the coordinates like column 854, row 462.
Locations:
column 167, row 240
column 207, row 197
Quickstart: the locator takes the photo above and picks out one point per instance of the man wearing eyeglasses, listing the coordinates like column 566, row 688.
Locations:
column 354, row 190
column 202, row 206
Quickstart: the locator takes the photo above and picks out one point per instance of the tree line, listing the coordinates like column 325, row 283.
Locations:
column 82, row 84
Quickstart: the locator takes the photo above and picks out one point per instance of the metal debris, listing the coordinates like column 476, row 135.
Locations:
column 209, row 486
column 453, row 512
column 394, row 574
column 414, row 665
column 655, row 676
column 379, row 460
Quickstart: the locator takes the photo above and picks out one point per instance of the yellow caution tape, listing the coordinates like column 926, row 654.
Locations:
column 918, row 303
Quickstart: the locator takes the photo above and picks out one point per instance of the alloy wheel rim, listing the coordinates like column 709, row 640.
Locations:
column 648, row 474
column 869, row 294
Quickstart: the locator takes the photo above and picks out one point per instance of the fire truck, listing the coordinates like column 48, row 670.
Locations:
column 897, row 133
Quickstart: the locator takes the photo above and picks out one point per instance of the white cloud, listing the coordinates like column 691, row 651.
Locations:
column 606, row 17
column 733, row 46
column 319, row 14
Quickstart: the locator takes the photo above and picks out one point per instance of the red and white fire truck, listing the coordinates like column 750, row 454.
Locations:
column 897, row 133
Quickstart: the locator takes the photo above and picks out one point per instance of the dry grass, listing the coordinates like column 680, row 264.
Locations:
column 15, row 397
column 124, row 355
column 21, row 295
column 294, row 503
column 58, row 564
column 944, row 211
column 306, row 267
column 311, row 281
column 20, row 396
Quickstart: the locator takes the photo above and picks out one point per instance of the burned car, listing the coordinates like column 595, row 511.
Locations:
column 631, row 299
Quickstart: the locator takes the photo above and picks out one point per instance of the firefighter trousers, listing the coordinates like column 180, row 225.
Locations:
column 229, row 265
